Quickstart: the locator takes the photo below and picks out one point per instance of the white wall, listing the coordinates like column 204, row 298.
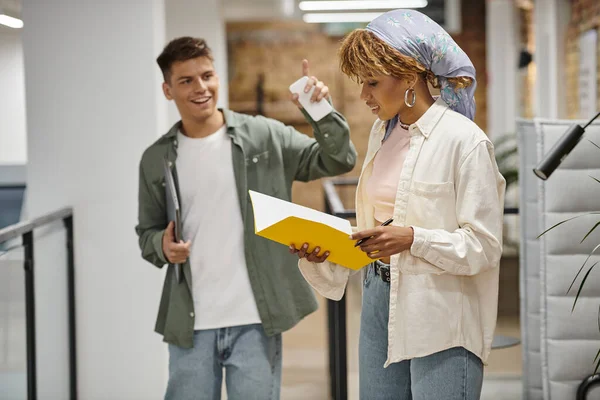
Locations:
column 550, row 19
column 502, row 51
column 13, row 143
column 203, row 19
column 183, row 18
column 502, row 44
column 93, row 105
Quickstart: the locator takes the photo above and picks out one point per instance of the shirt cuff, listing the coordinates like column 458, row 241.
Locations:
column 328, row 279
column 157, row 244
column 421, row 242
column 323, row 129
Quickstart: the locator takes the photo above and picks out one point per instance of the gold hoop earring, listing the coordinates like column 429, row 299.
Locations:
column 414, row 98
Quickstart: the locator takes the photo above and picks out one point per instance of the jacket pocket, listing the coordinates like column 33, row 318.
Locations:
column 258, row 158
column 434, row 189
column 432, row 205
column 260, row 173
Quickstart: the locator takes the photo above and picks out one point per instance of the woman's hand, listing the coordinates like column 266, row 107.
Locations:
column 321, row 91
column 312, row 256
column 385, row 241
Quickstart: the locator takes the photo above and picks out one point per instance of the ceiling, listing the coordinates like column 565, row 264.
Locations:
column 248, row 10
column 245, row 10
column 13, row 8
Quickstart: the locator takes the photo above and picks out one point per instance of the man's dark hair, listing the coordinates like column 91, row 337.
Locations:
column 182, row 49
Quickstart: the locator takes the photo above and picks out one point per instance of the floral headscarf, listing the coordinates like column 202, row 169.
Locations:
column 416, row 35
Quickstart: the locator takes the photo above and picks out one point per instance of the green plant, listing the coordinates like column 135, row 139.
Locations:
column 589, row 270
column 507, row 158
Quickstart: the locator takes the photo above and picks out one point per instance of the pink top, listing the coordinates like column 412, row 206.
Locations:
column 387, row 166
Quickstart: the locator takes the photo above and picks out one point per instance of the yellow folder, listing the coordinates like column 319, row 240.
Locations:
column 288, row 223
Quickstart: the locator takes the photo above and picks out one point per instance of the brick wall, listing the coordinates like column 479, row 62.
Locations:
column 275, row 51
column 585, row 15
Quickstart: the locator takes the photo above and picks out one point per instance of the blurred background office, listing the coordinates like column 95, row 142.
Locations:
column 80, row 99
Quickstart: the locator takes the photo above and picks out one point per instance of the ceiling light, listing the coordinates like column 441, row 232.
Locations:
column 9, row 21
column 322, row 18
column 337, row 5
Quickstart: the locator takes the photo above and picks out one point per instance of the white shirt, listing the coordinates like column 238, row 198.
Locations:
column 444, row 290
column 212, row 220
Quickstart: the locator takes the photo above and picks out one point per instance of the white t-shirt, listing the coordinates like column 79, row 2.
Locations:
column 212, row 220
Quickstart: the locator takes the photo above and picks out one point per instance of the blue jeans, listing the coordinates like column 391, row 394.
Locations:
column 453, row 374
column 251, row 359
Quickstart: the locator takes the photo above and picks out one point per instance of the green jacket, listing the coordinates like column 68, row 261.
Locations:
column 267, row 157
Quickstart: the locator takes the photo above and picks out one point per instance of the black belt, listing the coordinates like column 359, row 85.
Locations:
column 383, row 270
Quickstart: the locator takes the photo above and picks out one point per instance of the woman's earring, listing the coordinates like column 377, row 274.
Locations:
column 414, row 98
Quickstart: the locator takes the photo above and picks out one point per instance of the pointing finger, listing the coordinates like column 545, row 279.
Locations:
column 304, row 67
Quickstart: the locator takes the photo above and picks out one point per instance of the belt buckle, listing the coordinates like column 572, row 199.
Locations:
column 384, row 273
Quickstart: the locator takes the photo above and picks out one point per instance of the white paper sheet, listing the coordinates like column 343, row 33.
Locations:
column 269, row 210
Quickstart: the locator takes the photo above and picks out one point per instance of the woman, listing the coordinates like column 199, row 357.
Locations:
column 430, row 297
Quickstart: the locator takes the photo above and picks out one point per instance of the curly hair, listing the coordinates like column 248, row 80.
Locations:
column 182, row 49
column 363, row 54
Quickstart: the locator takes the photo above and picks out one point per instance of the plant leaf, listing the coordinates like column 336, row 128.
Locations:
column 505, row 138
column 591, row 230
column 594, row 143
column 582, row 283
column 580, row 269
column 510, row 176
column 566, row 220
column 505, row 154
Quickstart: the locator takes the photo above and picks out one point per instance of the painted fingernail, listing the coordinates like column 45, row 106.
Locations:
column 304, row 246
column 317, row 249
column 326, row 253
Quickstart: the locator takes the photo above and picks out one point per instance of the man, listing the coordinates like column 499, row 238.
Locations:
column 239, row 291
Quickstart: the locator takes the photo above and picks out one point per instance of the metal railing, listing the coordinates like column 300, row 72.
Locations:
column 336, row 310
column 24, row 230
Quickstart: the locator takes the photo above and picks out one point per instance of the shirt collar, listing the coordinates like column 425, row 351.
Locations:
column 231, row 121
column 432, row 116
